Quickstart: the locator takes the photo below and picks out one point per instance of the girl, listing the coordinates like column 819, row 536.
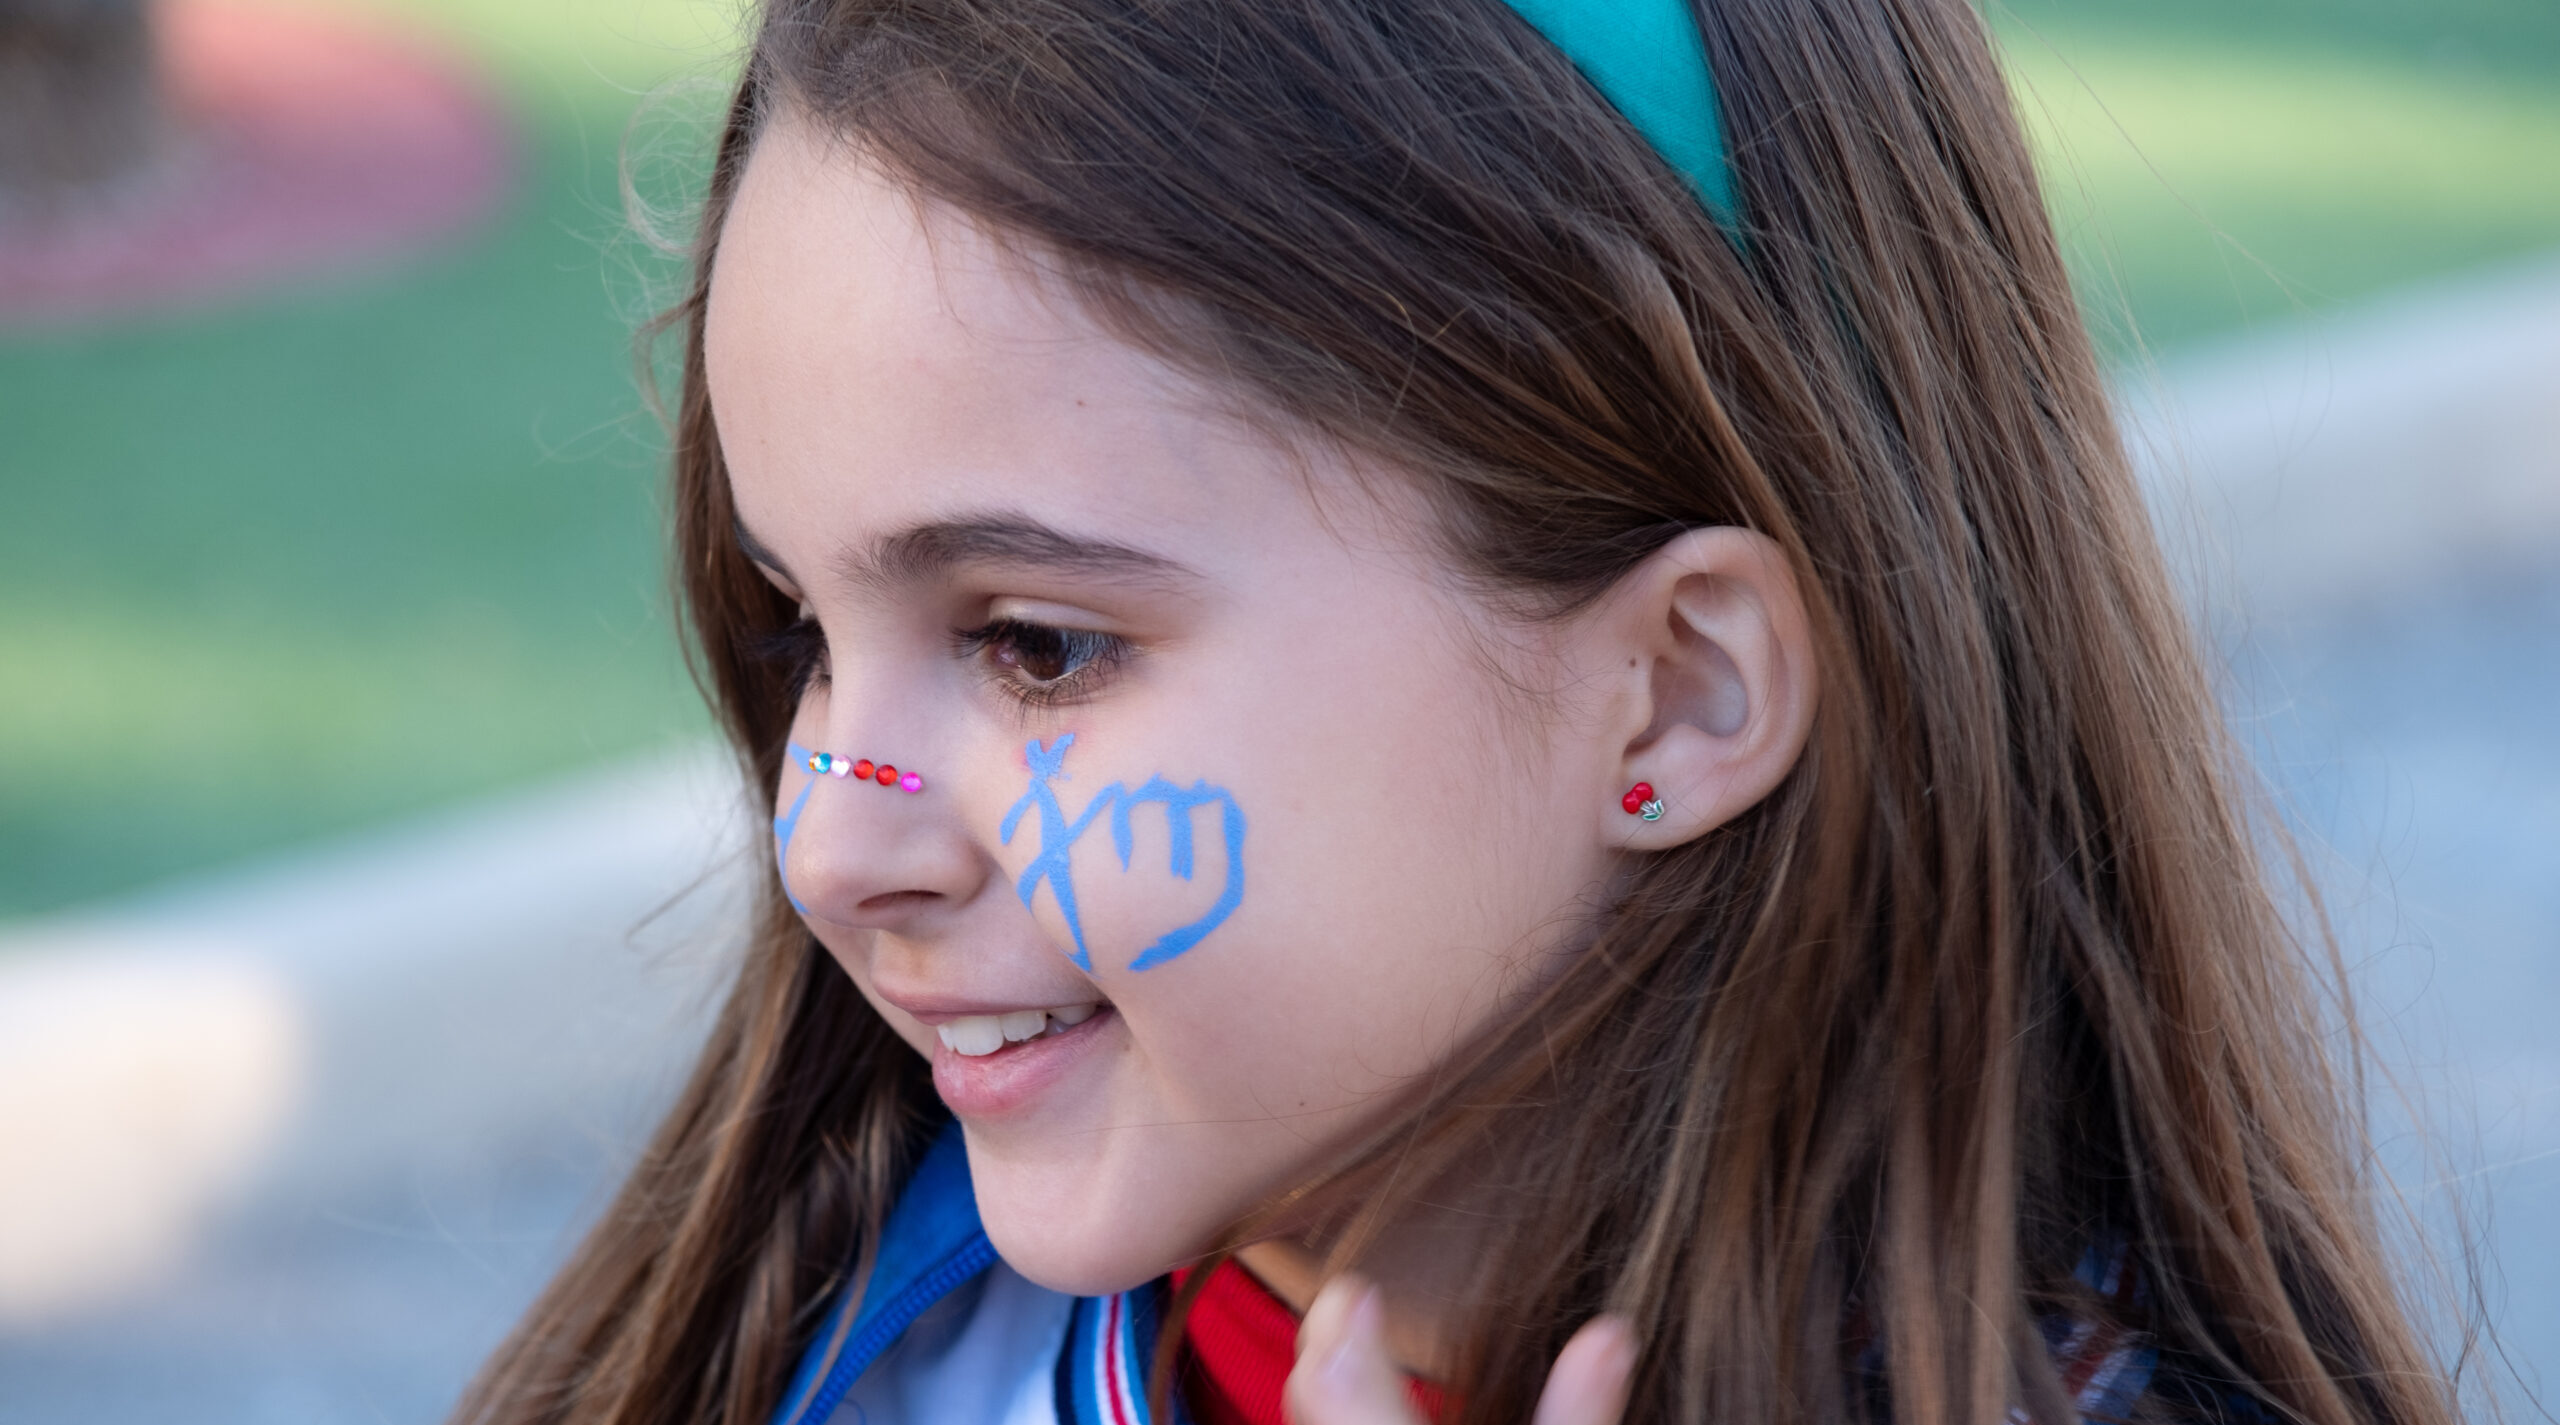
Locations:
column 1483, row 670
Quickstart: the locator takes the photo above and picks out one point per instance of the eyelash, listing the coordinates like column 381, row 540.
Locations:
column 801, row 649
column 1091, row 658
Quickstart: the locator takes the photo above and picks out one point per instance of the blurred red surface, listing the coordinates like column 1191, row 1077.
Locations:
column 301, row 143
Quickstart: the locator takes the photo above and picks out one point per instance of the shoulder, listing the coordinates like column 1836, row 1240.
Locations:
column 2105, row 1364
column 2114, row 1371
column 2109, row 1368
column 2106, row 1368
column 2185, row 1392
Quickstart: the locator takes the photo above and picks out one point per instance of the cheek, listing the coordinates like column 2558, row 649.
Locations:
column 1393, row 887
column 1132, row 874
column 856, row 968
column 1381, row 932
column 1172, row 897
column 1351, row 971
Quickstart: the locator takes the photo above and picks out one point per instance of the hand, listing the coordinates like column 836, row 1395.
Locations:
column 1344, row 1375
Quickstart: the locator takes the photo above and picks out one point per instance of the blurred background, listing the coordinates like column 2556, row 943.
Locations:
column 365, row 870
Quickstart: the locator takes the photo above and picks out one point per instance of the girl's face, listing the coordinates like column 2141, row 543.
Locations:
column 1236, row 816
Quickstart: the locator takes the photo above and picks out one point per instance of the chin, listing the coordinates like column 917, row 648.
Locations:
column 1060, row 1237
column 1081, row 1259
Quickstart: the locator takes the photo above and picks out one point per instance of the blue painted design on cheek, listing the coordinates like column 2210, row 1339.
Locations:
column 1179, row 804
column 1058, row 837
column 789, row 822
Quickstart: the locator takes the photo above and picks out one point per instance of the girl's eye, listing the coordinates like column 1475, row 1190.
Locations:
column 1038, row 663
column 799, row 649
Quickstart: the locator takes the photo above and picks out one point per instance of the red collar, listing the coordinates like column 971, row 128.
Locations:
column 1242, row 1340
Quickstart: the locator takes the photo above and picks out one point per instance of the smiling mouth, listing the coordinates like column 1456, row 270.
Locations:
column 975, row 1036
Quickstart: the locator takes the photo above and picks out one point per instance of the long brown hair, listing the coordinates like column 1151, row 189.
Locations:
column 1996, row 975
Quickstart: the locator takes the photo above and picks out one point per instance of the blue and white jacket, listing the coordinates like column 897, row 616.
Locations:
column 947, row 1334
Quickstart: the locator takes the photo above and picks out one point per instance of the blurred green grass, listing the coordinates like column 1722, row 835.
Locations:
column 291, row 567
column 300, row 563
column 2216, row 164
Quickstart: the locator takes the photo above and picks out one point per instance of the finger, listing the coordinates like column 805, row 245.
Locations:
column 1344, row 1375
column 1588, row 1383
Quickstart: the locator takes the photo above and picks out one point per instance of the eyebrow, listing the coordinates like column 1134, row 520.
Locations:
column 925, row 553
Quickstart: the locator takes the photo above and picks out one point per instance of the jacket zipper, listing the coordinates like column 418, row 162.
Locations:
column 974, row 1257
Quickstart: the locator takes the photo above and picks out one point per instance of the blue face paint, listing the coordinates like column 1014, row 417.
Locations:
column 789, row 822
column 1058, row 837
column 1179, row 803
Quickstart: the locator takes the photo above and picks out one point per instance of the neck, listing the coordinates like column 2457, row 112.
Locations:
column 1418, row 1269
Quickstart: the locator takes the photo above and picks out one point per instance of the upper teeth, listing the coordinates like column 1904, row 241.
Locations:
column 976, row 1034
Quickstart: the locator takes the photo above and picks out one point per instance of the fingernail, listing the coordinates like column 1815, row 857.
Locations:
column 1343, row 1366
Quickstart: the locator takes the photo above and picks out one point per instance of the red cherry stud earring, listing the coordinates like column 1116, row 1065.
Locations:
column 1640, row 801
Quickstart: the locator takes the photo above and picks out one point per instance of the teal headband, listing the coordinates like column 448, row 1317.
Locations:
column 1647, row 58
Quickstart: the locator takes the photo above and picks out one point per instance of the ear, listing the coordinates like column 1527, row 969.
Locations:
column 1715, row 664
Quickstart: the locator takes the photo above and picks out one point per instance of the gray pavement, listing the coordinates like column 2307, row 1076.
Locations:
column 2367, row 511
column 455, row 1031
column 408, row 1067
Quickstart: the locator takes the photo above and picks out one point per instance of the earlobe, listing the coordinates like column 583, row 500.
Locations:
column 1720, row 653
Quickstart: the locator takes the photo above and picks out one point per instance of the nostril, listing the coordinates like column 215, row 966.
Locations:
column 897, row 902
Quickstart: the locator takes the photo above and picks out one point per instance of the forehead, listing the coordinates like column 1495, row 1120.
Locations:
column 881, row 355
column 825, row 257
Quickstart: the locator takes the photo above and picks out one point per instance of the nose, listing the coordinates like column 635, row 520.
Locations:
column 858, row 853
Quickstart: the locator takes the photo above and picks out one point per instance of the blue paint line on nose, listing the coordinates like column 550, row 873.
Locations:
column 789, row 822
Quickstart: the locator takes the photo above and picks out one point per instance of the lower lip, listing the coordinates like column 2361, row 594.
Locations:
column 1011, row 1079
